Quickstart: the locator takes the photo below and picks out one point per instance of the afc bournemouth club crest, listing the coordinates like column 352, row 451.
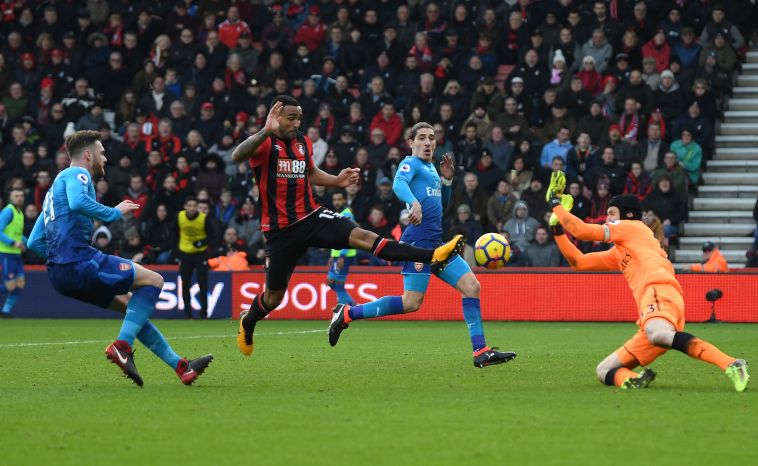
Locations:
column 301, row 148
column 124, row 266
column 419, row 266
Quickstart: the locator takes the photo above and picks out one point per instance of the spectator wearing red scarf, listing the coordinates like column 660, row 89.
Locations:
column 638, row 182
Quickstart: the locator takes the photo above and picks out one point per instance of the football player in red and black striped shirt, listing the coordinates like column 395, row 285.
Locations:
column 291, row 219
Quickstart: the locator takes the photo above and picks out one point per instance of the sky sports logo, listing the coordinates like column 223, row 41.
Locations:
column 287, row 168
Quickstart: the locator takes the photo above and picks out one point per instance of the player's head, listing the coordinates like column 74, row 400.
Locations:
column 624, row 207
column 190, row 205
column 422, row 142
column 289, row 120
column 339, row 199
column 16, row 197
column 86, row 149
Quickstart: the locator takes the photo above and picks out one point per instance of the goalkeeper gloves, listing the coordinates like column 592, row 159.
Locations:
column 567, row 201
column 556, row 188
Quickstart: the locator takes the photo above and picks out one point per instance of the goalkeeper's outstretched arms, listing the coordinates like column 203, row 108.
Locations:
column 594, row 261
column 572, row 224
column 562, row 204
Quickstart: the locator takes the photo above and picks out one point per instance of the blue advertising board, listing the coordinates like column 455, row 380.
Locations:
column 40, row 299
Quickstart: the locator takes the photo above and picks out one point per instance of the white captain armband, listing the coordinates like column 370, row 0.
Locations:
column 606, row 234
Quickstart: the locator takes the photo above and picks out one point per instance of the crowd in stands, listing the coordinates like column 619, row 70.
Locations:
column 622, row 95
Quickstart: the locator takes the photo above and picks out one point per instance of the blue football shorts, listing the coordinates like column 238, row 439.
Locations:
column 96, row 281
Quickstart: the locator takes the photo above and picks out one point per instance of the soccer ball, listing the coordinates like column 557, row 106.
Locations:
column 492, row 251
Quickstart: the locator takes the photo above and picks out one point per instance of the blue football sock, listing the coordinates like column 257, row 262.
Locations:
column 151, row 337
column 139, row 309
column 11, row 301
column 342, row 295
column 473, row 315
column 384, row 306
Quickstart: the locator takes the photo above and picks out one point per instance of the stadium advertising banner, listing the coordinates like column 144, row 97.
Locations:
column 511, row 294
column 41, row 300
column 539, row 295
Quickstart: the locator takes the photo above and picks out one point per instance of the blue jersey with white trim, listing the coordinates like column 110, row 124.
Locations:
column 417, row 180
column 64, row 230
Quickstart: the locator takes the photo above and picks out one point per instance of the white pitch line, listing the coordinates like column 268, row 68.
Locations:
column 191, row 337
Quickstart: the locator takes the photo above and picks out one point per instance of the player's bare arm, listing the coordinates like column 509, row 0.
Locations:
column 346, row 177
column 247, row 148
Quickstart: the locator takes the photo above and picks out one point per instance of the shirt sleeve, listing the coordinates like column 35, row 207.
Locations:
column 619, row 231
column 402, row 183
column 37, row 241
column 580, row 230
column 260, row 153
column 5, row 218
column 77, row 188
column 595, row 261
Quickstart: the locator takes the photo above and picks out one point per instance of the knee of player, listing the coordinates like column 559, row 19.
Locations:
column 472, row 288
column 412, row 304
column 156, row 280
column 601, row 371
column 658, row 336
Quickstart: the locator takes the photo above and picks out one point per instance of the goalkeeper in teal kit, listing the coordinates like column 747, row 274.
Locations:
column 77, row 270
column 420, row 187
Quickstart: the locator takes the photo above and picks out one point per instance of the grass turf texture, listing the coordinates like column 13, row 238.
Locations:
column 390, row 393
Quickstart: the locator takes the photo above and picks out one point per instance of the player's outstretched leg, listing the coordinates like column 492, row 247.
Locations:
column 394, row 251
column 735, row 369
column 343, row 314
column 258, row 310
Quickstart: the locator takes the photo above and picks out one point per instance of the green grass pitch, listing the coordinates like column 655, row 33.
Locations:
column 390, row 393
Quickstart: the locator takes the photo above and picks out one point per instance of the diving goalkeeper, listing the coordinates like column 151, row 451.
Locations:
column 650, row 275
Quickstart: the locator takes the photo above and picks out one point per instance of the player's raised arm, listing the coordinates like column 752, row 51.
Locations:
column 572, row 224
column 37, row 241
column 447, row 170
column 249, row 146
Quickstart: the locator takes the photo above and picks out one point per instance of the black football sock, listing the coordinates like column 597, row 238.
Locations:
column 391, row 250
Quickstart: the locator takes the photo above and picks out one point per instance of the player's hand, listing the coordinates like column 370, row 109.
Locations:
column 556, row 188
column 348, row 176
column 127, row 206
column 272, row 120
column 340, row 264
column 415, row 215
column 567, row 201
column 447, row 166
column 18, row 245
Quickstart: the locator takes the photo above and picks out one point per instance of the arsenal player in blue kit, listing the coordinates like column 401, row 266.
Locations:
column 426, row 195
column 291, row 219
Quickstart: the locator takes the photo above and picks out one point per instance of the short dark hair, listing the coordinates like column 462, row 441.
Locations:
column 189, row 199
column 419, row 126
column 341, row 192
column 80, row 140
column 286, row 100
